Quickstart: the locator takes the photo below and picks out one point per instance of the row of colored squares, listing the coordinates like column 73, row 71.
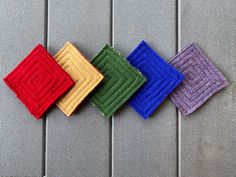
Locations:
column 144, row 79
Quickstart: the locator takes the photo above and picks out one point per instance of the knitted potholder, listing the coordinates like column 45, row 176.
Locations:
column 83, row 73
column 162, row 79
column 120, row 83
column 202, row 79
column 38, row 81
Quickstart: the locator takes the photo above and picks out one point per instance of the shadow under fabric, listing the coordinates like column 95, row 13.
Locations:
column 162, row 79
column 121, row 81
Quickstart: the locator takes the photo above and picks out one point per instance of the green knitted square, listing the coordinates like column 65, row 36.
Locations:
column 121, row 81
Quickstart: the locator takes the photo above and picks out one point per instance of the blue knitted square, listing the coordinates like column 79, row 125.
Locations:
column 162, row 79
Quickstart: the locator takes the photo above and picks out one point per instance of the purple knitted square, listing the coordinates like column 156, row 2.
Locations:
column 202, row 79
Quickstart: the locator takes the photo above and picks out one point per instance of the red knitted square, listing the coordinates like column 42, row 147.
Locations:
column 38, row 81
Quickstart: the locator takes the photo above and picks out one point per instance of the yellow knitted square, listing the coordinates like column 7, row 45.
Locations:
column 83, row 73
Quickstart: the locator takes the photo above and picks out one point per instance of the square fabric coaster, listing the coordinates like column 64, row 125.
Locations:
column 162, row 79
column 202, row 79
column 38, row 81
column 83, row 73
column 120, row 83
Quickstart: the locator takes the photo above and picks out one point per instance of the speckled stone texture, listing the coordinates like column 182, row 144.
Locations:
column 202, row 79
